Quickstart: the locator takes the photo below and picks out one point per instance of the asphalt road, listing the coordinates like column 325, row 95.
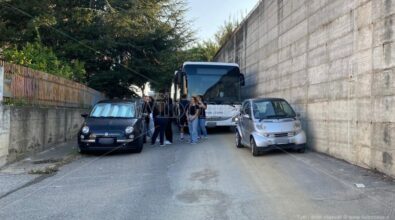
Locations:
column 211, row 180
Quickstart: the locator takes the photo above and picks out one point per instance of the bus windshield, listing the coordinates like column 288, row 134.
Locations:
column 218, row 84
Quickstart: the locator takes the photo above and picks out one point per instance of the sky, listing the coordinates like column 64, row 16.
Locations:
column 208, row 15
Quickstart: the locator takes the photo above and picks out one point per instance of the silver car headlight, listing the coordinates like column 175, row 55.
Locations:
column 297, row 127
column 260, row 126
column 85, row 130
column 129, row 130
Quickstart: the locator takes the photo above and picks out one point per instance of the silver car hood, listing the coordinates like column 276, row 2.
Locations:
column 279, row 125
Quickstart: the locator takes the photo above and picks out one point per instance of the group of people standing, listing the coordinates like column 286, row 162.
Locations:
column 161, row 113
column 193, row 115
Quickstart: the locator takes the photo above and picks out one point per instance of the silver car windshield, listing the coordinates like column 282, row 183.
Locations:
column 267, row 109
column 113, row 110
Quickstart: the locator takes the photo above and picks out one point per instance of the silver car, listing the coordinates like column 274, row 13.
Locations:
column 269, row 123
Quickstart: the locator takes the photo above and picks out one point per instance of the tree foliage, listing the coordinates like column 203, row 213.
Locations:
column 107, row 44
column 119, row 42
column 206, row 50
column 225, row 31
column 39, row 57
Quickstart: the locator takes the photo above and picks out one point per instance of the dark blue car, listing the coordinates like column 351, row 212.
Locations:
column 113, row 125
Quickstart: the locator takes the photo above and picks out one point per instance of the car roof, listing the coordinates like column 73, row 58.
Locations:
column 211, row 63
column 267, row 99
column 118, row 101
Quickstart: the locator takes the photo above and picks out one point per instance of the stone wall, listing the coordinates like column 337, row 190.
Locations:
column 4, row 133
column 333, row 60
column 27, row 130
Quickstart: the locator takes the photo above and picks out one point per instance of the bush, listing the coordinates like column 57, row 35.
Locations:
column 39, row 57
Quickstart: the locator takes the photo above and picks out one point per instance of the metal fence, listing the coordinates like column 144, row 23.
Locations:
column 22, row 84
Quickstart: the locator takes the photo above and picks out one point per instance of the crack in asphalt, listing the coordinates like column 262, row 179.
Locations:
column 30, row 183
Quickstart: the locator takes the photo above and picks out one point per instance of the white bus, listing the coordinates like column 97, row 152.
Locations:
column 218, row 83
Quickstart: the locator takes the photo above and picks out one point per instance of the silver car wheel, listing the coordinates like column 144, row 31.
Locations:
column 238, row 140
column 254, row 149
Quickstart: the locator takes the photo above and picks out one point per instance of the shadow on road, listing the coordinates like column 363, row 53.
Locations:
column 220, row 130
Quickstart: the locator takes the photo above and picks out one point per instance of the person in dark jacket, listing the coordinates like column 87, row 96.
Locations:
column 169, row 114
column 182, row 115
column 160, row 122
column 202, row 131
column 147, row 110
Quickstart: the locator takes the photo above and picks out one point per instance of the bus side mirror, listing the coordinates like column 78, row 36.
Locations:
column 242, row 80
column 183, row 76
column 178, row 77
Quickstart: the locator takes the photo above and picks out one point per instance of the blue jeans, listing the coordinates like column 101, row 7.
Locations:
column 147, row 130
column 193, row 130
column 202, row 127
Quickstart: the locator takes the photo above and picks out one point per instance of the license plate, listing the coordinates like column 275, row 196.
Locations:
column 282, row 141
column 211, row 124
column 106, row 141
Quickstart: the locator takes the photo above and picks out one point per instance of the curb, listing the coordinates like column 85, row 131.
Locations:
column 52, row 166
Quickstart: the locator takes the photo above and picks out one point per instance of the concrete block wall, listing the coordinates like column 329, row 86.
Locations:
column 4, row 134
column 27, row 130
column 334, row 61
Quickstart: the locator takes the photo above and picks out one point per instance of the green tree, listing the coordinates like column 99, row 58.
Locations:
column 39, row 57
column 225, row 31
column 206, row 50
column 120, row 42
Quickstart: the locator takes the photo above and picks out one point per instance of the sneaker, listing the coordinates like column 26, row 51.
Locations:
column 167, row 142
column 162, row 145
column 205, row 137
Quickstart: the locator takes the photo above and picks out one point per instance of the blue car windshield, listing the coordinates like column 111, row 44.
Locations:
column 113, row 110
